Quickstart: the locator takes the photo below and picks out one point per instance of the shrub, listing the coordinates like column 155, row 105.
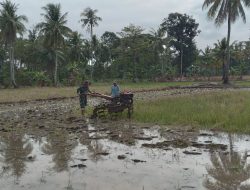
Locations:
column 29, row 78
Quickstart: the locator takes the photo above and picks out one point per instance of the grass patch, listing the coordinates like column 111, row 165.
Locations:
column 242, row 83
column 125, row 86
column 227, row 111
column 33, row 93
column 77, row 111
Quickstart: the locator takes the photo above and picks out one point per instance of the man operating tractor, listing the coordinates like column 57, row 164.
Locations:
column 83, row 91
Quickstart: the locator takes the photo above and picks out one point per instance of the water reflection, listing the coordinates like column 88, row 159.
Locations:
column 96, row 150
column 15, row 150
column 94, row 146
column 60, row 146
column 125, row 134
column 229, row 170
column 112, row 157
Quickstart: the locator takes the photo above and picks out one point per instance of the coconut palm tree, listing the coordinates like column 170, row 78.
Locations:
column 90, row 19
column 75, row 44
column 54, row 30
column 229, row 10
column 11, row 24
column 32, row 37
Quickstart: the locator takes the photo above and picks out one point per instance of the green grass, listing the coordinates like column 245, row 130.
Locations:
column 227, row 111
column 33, row 93
column 242, row 83
column 125, row 86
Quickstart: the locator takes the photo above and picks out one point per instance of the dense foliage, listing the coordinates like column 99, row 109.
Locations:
column 51, row 53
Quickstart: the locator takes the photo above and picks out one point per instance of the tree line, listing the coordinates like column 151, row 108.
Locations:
column 51, row 53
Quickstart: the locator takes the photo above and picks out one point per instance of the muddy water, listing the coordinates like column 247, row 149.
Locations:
column 122, row 156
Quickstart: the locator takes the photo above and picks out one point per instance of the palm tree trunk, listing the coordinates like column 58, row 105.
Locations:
column 91, row 51
column 91, row 32
column 1, row 72
column 110, row 56
column 92, row 69
column 12, row 67
column 224, row 68
column 162, row 65
column 135, row 72
column 226, row 79
column 181, row 61
column 155, row 56
column 56, row 68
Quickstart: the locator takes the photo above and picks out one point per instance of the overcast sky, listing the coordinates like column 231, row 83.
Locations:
column 147, row 13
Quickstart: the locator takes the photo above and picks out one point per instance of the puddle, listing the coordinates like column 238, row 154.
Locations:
column 108, row 156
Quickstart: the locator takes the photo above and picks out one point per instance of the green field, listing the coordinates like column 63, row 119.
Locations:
column 242, row 83
column 227, row 111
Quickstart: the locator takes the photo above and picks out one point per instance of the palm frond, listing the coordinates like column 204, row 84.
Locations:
column 207, row 3
column 246, row 3
column 10, row 22
column 54, row 26
column 89, row 18
column 242, row 12
column 222, row 9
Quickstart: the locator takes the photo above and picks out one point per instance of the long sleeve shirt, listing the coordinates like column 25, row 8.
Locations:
column 115, row 91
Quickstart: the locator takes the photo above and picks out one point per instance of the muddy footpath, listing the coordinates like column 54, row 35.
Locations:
column 46, row 145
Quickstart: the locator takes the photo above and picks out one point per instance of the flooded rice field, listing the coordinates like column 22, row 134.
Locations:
column 43, row 145
column 122, row 157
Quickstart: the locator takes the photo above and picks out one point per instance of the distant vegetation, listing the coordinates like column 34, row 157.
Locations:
column 53, row 54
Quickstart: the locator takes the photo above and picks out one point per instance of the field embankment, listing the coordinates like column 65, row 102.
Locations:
column 45, row 93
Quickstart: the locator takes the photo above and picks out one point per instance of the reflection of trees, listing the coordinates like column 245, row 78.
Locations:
column 228, row 171
column 125, row 134
column 117, row 132
column 15, row 152
column 84, row 138
column 95, row 148
column 60, row 147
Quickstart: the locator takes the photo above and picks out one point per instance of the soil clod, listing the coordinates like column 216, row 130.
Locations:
column 121, row 157
column 78, row 166
column 192, row 152
column 138, row 161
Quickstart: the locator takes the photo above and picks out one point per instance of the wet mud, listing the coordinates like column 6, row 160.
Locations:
column 45, row 145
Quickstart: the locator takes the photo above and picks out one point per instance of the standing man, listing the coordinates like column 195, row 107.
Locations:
column 83, row 91
column 115, row 91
